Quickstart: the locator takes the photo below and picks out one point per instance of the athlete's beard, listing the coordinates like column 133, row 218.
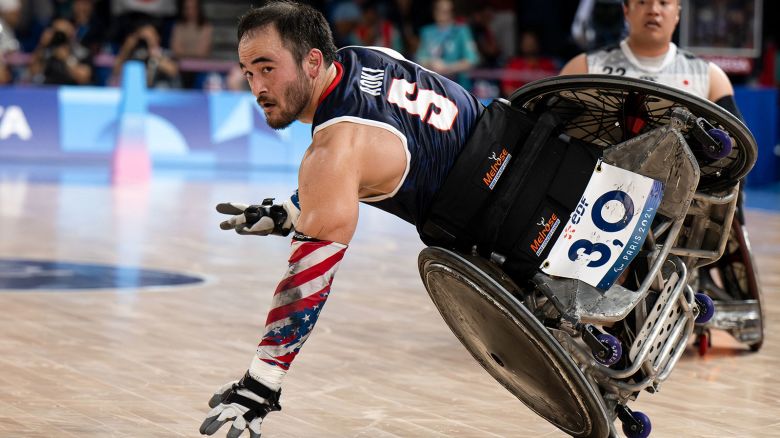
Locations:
column 296, row 97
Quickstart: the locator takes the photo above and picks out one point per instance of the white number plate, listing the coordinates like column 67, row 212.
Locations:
column 607, row 229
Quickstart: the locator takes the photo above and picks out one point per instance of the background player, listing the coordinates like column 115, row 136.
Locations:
column 649, row 53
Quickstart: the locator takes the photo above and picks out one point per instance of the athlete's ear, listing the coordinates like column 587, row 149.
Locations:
column 312, row 62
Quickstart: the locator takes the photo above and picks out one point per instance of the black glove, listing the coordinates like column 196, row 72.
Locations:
column 245, row 402
column 261, row 220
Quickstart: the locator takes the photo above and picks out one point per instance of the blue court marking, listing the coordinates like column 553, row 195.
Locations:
column 26, row 275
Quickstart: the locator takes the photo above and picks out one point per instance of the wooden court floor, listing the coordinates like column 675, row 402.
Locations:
column 381, row 362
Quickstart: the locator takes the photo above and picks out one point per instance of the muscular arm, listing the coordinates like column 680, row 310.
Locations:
column 328, row 186
column 343, row 160
column 576, row 66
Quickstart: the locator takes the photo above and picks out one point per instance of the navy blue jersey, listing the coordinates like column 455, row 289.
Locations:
column 432, row 116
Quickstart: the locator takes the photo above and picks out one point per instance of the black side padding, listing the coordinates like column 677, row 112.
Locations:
column 519, row 178
column 493, row 145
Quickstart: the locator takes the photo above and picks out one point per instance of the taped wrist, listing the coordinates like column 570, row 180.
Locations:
column 255, row 408
column 296, row 305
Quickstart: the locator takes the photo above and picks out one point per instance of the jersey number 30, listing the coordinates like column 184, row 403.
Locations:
column 433, row 109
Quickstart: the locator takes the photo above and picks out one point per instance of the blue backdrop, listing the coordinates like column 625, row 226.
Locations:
column 194, row 128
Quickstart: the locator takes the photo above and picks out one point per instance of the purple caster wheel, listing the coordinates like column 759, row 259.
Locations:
column 638, row 431
column 615, row 349
column 706, row 308
column 723, row 140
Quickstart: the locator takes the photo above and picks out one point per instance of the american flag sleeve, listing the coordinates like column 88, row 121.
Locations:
column 296, row 304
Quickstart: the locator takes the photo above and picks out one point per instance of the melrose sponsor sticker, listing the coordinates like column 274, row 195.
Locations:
column 497, row 168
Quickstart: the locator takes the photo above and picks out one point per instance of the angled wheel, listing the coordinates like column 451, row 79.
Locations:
column 606, row 110
column 510, row 343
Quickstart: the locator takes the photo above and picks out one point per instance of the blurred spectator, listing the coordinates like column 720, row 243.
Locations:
column 528, row 65
column 410, row 16
column 552, row 21
column 35, row 16
column 191, row 31
column 489, row 53
column 191, row 37
column 345, row 18
column 373, row 30
column 487, row 45
column 128, row 15
column 59, row 59
column 9, row 18
column 503, row 23
column 90, row 31
column 144, row 45
column 152, row 8
column 447, row 47
column 5, row 73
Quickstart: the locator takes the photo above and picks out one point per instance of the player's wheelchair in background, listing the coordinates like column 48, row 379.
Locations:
column 588, row 290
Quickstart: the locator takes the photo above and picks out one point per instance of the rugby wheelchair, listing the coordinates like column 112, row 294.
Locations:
column 566, row 250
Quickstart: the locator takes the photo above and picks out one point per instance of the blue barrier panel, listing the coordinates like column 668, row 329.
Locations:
column 29, row 122
column 759, row 107
column 181, row 128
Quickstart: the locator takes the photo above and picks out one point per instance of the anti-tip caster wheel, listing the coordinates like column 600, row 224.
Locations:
column 723, row 140
column 706, row 308
column 640, row 429
column 615, row 349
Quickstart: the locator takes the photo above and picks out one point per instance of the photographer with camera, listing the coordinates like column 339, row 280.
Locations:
column 59, row 59
column 144, row 45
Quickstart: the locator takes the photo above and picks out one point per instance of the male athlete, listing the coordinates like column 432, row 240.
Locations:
column 384, row 131
column 649, row 53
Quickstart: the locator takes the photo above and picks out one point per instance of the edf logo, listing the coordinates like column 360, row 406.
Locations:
column 13, row 122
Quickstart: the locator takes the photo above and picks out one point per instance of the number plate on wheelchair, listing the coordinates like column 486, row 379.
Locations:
column 608, row 228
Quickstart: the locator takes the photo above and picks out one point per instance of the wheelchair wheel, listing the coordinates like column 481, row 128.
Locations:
column 501, row 334
column 606, row 110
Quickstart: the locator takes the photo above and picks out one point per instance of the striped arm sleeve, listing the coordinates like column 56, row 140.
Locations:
column 296, row 305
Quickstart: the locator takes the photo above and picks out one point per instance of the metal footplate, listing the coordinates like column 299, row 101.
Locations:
column 476, row 302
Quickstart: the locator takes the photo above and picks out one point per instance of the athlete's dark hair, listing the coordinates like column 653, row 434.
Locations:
column 300, row 26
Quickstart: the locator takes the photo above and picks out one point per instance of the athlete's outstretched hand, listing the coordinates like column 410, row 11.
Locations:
column 245, row 403
column 261, row 220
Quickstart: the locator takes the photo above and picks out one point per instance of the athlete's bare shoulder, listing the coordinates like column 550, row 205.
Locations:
column 576, row 66
column 378, row 155
column 720, row 85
